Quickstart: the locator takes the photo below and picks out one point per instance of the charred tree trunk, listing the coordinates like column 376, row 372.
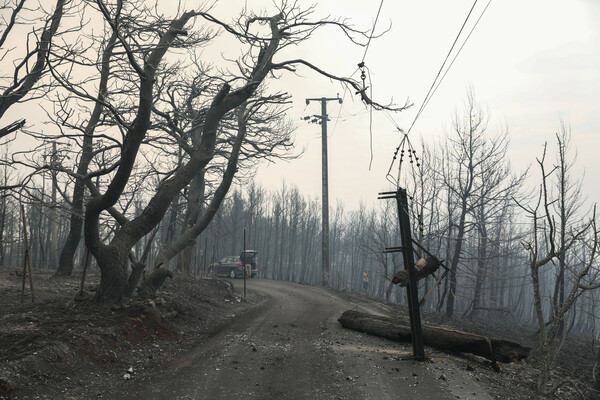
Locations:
column 480, row 274
column 113, row 274
column 188, row 237
column 440, row 338
column 156, row 279
column 193, row 210
column 442, row 294
column 137, row 270
column 2, row 225
column 53, row 218
column 453, row 279
column 65, row 264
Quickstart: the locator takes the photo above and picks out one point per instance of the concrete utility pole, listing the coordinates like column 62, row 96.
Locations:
column 323, row 118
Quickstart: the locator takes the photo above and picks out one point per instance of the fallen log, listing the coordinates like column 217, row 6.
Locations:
column 440, row 338
column 423, row 267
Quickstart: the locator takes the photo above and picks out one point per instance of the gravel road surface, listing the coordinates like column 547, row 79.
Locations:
column 292, row 347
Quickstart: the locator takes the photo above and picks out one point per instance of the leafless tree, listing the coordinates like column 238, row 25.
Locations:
column 26, row 53
column 568, row 203
column 545, row 248
column 468, row 175
column 143, row 56
column 65, row 266
column 426, row 204
column 381, row 232
column 23, row 58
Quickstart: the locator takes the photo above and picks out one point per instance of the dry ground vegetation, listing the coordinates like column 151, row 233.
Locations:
column 61, row 348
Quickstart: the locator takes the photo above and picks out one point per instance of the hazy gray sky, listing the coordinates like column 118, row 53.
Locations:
column 532, row 64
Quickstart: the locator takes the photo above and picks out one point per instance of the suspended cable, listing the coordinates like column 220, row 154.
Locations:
column 391, row 119
column 339, row 112
column 361, row 66
column 343, row 98
column 372, row 32
column 426, row 99
column 458, row 52
column 438, row 80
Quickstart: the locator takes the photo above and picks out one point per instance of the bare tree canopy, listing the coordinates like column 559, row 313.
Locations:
column 156, row 129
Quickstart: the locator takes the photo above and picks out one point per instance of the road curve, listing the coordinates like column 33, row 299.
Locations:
column 292, row 347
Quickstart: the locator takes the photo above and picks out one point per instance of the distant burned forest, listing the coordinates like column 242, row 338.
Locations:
column 485, row 236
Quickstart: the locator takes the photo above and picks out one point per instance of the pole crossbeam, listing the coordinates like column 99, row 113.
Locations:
column 325, row 184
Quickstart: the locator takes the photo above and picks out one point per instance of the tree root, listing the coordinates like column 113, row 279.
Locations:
column 151, row 284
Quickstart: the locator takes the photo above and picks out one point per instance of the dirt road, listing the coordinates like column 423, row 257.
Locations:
column 292, row 347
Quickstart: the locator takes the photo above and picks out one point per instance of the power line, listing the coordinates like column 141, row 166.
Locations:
column 372, row 32
column 425, row 100
column 361, row 65
column 391, row 119
column 337, row 119
column 343, row 98
column 458, row 52
column 437, row 81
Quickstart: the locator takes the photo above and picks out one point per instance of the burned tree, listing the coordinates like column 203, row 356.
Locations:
column 568, row 204
column 581, row 244
column 142, row 64
column 28, row 68
column 67, row 254
column 475, row 190
column 24, row 61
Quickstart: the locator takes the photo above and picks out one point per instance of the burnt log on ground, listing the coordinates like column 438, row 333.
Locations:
column 440, row 338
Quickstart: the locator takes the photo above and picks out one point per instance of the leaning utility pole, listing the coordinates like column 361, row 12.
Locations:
column 323, row 118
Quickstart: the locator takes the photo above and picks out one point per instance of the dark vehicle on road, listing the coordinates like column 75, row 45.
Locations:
column 232, row 267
